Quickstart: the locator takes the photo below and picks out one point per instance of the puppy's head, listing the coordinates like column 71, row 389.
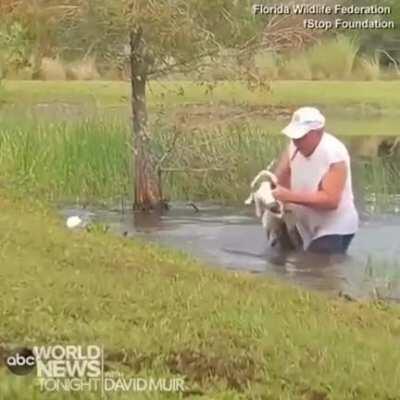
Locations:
column 267, row 176
column 265, row 197
column 264, row 194
column 268, row 184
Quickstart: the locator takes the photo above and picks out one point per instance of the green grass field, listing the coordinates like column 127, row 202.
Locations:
column 384, row 95
column 67, row 141
column 231, row 336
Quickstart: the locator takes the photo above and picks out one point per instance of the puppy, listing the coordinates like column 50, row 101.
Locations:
column 278, row 222
column 262, row 197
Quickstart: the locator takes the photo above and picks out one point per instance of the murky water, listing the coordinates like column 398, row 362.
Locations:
column 233, row 239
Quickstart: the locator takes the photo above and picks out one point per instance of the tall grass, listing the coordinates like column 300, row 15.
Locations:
column 267, row 63
column 368, row 68
column 89, row 161
column 80, row 161
column 236, row 153
column 333, row 58
column 52, row 70
column 336, row 58
column 83, row 70
column 379, row 177
column 297, row 68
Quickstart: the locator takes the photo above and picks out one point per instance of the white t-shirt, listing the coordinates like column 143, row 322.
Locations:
column 306, row 175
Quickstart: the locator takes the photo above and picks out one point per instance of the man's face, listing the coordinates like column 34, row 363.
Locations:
column 307, row 144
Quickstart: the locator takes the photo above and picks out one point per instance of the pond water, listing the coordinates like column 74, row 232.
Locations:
column 233, row 239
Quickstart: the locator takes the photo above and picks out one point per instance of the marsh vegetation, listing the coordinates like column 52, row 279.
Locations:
column 77, row 149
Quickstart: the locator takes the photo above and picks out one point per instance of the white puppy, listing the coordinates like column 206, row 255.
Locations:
column 278, row 223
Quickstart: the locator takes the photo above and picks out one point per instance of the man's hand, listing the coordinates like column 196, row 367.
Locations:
column 282, row 194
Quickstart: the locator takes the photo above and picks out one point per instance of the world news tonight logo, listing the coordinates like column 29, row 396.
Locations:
column 60, row 368
column 21, row 362
column 79, row 368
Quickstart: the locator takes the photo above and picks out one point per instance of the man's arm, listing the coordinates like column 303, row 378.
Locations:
column 327, row 197
column 282, row 170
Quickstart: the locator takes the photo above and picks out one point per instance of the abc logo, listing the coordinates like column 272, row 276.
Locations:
column 21, row 362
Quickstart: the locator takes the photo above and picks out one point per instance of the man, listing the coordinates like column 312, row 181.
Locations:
column 314, row 178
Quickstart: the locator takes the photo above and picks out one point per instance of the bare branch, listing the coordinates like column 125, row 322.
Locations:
column 181, row 65
column 168, row 152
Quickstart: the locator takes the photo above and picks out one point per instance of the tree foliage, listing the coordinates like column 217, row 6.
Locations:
column 385, row 44
column 176, row 32
column 13, row 48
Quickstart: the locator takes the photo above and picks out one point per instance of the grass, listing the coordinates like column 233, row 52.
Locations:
column 383, row 95
column 89, row 160
column 238, row 152
column 81, row 154
column 159, row 312
column 333, row 58
column 369, row 68
column 380, row 177
column 297, row 68
column 229, row 335
column 267, row 63
column 79, row 161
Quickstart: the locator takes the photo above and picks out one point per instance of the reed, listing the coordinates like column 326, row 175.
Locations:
column 334, row 58
column 381, row 186
column 79, row 161
column 368, row 68
column 89, row 161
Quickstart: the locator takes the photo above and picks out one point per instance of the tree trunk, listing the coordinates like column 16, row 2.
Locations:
column 146, row 184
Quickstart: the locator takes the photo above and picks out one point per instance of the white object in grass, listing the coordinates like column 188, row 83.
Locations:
column 74, row 221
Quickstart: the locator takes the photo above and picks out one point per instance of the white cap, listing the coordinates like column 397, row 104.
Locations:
column 303, row 121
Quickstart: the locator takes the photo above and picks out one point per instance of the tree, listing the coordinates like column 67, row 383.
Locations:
column 14, row 48
column 170, row 35
column 163, row 36
column 41, row 19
